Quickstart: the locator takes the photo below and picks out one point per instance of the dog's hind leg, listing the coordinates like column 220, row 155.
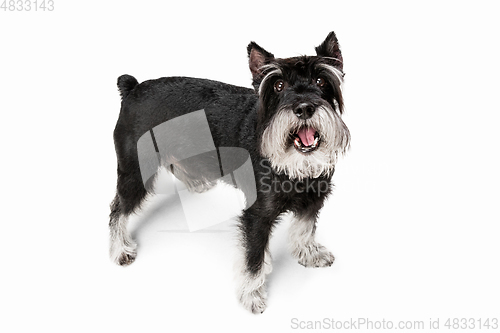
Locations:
column 122, row 248
column 129, row 195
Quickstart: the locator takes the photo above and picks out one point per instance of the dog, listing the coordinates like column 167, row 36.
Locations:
column 291, row 127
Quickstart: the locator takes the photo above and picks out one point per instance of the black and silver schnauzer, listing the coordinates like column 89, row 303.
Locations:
column 290, row 124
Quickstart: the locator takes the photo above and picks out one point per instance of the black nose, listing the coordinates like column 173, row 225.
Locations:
column 304, row 110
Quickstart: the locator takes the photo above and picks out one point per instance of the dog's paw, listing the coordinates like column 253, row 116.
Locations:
column 123, row 255
column 126, row 258
column 315, row 255
column 255, row 301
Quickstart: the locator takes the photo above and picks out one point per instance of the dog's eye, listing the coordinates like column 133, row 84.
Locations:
column 279, row 85
column 320, row 82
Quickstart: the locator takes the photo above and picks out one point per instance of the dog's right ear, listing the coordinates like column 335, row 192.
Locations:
column 257, row 57
column 330, row 48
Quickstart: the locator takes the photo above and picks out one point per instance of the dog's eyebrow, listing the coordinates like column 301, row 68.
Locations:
column 265, row 67
column 277, row 70
column 270, row 65
column 332, row 58
column 336, row 72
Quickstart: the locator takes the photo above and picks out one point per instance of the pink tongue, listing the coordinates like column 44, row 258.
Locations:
column 306, row 135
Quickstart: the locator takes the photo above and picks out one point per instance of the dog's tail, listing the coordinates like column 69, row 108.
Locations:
column 125, row 84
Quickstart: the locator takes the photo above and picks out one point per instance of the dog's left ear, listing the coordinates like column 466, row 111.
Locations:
column 330, row 48
column 257, row 57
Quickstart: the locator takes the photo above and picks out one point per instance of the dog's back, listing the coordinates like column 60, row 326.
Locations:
column 154, row 102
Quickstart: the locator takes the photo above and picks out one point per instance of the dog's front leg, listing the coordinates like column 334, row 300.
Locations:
column 255, row 260
column 304, row 247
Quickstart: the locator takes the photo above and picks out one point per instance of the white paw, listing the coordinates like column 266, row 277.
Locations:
column 122, row 254
column 126, row 258
column 252, row 287
column 254, row 301
column 314, row 255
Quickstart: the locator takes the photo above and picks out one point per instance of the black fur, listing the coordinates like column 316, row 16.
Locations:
column 330, row 48
column 237, row 117
column 125, row 84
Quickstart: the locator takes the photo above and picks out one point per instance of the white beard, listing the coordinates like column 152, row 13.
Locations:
column 334, row 140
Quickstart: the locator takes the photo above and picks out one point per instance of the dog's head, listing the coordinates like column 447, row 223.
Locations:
column 300, row 108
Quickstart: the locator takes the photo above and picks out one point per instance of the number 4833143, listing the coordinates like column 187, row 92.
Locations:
column 27, row 5
column 471, row 323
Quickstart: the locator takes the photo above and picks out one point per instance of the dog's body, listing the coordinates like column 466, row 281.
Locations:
column 289, row 124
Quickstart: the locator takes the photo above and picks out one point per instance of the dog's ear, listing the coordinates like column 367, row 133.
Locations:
column 257, row 57
column 330, row 48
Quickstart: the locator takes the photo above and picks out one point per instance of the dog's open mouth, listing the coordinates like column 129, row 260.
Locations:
column 306, row 139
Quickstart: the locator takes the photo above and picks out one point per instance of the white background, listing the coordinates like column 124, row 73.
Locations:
column 413, row 222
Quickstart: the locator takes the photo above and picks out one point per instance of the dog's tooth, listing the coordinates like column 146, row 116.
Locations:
column 297, row 142
column 316, row 140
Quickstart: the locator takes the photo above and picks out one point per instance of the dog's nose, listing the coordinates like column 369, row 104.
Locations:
column 304, row 110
